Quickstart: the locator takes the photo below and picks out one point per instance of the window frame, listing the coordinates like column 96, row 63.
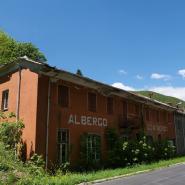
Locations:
column 108, row 108
column 88, row 106
column 93, row 150
column 147, row 114
column 61, row 143
column 68, row 98
column 5, row 100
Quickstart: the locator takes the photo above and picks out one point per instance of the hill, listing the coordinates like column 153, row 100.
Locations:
column 162, row 98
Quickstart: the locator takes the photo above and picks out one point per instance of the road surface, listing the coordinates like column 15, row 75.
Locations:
column 174, row 175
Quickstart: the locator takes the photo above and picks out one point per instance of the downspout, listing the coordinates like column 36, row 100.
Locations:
column 47, row 126
column 18, row 94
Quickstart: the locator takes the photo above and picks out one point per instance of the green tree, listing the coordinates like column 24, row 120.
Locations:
column 79, row 72
column 11, row 49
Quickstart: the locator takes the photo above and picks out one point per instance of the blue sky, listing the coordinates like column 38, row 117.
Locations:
column 133, row 44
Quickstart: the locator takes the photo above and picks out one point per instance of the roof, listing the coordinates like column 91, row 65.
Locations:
column 55, row 74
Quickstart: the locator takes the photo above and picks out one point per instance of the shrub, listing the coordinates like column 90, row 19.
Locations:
column 10, row 131
column 128, row 152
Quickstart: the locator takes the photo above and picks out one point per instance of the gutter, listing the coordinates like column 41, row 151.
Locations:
column 18, row 95
column 47, row 126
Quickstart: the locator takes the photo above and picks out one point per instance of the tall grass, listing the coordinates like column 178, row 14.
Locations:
column 13, row 171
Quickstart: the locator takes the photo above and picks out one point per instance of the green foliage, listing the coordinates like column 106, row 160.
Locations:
column 11, row 49
column 114, row 149
column 16, row 172
column 37, row 160
column 163, row 150
column 162, row 98
column 10, row 131
column 137, row 151
column 79, row 72
column 128, row 152
column 87, row 161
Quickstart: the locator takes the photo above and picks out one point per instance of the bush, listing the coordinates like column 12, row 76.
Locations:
column 10, row 131
column 129, row 152
column 115, row 154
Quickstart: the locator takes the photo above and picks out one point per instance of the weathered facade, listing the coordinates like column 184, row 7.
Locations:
column 180, row 132
column 58, row 107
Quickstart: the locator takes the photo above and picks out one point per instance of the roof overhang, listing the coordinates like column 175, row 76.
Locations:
column 57, row 74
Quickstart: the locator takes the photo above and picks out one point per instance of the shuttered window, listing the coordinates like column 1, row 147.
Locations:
column 110, row 105
column 63, row 96
column 92, row 102
column 147, row 115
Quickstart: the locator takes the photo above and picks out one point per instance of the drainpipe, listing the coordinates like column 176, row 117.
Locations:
column 47, row 126
column 18, row 94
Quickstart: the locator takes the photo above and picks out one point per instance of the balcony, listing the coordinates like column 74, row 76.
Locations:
column 130, row 122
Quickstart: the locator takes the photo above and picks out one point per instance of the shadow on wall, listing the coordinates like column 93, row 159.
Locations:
column 22, row 151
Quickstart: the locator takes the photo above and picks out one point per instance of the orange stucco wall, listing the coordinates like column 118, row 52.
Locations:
column 28, row 103
column 33, row 111
column 78, row 105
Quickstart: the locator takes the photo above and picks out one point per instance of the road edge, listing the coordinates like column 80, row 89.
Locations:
column 127, row 175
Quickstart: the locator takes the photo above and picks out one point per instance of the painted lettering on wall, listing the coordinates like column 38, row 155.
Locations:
column 87, row 120
column 158, row 128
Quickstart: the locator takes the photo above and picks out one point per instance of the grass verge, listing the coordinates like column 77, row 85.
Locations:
column 76, row 178
column 13, row 171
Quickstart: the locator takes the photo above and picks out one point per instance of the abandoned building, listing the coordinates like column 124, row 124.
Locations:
column 57, row 107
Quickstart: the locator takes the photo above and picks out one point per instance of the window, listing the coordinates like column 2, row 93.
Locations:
column 163, row 117
column 147, row 114
column 133, row 108
column 149, row 139
column 93, row 147
column 63, row 145
column 157, row 116
column 4, row 104
column 63, row 96
column 92, row 102
column 110, row 105
column 170, row 118
column 159, row 137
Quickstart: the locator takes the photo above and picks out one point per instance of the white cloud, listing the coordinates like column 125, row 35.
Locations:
column 122, row 86
column 182, row 73
column 158, row 76
column 178, row 92
column 139, row 77
column 122, row 72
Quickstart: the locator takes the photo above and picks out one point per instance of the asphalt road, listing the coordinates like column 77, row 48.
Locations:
column 174, row 175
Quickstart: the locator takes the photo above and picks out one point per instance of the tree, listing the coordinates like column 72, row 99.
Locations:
column 79, row 72
column 11, row 49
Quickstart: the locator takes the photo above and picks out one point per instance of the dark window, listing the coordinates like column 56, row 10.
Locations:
column 93, row 147
column 133, row 108
column 110, row 105
column 92, row 102
column 4, row 104
column 163, row 117
column 159, row 137
column 138, row 136
column 149, row 139
column 158, row 117
column 136, row 109
column 170, row 117
column 124, row 108
column 63, row 96
column 147, row 115
column 63, row 145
